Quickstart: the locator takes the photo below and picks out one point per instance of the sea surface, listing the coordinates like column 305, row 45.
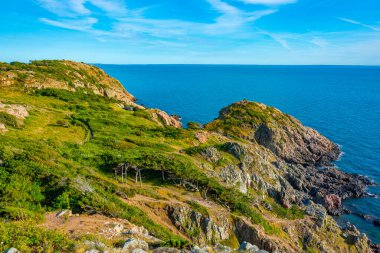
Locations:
column 341, row 102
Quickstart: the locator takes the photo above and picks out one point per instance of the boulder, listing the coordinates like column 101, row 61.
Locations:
column 246, row 246
column 12, row 250
column 201, row 136
column 64, row 213
column 222, row 249
column 133, row 243
column 166, row 250
column 317, row 211
column 333, row 204
column 2, row 127
column 138, row 251
column 211, row 154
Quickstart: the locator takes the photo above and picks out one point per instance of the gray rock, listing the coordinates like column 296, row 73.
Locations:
column 197, row 249
column 261, row 251
column 12, row 250
column 222, row 249
column 132, row 244
column 92, row 251
column 138, row 251
column 166, row 250
column 64, row 213
column 205, row 229
column 211, row 154
column 246, row 246
column 317, row 211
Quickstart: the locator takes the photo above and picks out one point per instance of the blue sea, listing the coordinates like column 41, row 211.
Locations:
column 341, row 102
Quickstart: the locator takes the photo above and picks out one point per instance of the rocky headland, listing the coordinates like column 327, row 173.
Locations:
column 84, row 168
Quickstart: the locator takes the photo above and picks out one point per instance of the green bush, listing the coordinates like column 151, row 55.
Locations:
column 27, row 238
column 8, row 119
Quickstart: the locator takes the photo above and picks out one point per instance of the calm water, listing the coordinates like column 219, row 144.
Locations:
column 343, row 103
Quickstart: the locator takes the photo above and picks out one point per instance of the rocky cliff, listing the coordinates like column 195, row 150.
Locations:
column 83, row 168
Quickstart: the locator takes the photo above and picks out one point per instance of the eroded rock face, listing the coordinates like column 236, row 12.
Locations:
column 133, row 244
column 246, row 232
column 284, row 158
column 161, row 116
column 203, row 229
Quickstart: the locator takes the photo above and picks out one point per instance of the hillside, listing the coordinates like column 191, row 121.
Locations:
column 83, row 168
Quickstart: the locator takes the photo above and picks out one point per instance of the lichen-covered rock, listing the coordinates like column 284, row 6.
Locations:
column 12, row 250
column 166, row 250
column 211, row 154
column 132, row 244
column 163, row 118
column 246, row 246
column 203, row 229
column 282, row 134
column 318, row 211
column 19, row 111
column 3, row 128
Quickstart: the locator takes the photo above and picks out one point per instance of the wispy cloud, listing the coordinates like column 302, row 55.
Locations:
column 125, row 24
column 85, row 24
column 269, row 2
column 73, row 8
column 283, row 42
column 351, row 21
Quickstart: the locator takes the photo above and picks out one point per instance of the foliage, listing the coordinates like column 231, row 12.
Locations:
column 28, row 238
column 194, row 126
column 8, row 119
column 198, row 207
column 292, row 213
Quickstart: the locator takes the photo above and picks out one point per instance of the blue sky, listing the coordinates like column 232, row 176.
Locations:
column 343, row 32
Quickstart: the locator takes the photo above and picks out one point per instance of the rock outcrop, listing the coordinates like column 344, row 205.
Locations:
column 284, row 158
column 67, row 75
column 163, row 118
column 282, row 134
column 203, row 229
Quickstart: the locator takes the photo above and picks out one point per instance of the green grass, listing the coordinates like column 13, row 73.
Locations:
column 8, row 119
column 198, row 207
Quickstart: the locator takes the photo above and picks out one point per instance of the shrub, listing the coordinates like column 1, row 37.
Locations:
column 8, row 119
column 194, row 126
column 27, row 238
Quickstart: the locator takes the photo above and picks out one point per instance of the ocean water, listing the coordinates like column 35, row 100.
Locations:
column 341, row 102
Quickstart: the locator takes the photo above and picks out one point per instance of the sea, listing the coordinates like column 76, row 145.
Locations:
column 341, row 102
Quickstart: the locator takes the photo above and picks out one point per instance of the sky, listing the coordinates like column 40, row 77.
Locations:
column 274, row 32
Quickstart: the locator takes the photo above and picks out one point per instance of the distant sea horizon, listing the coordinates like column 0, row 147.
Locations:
column 342, row 102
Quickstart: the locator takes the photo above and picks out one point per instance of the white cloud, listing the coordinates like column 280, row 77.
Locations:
column 283, row 42
column 269, row 2
column 85, row 24
column 232, row 18
column 72, row 8
column 113, row 7
column 318, row 41
column 76, row 15
column 351, row 21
